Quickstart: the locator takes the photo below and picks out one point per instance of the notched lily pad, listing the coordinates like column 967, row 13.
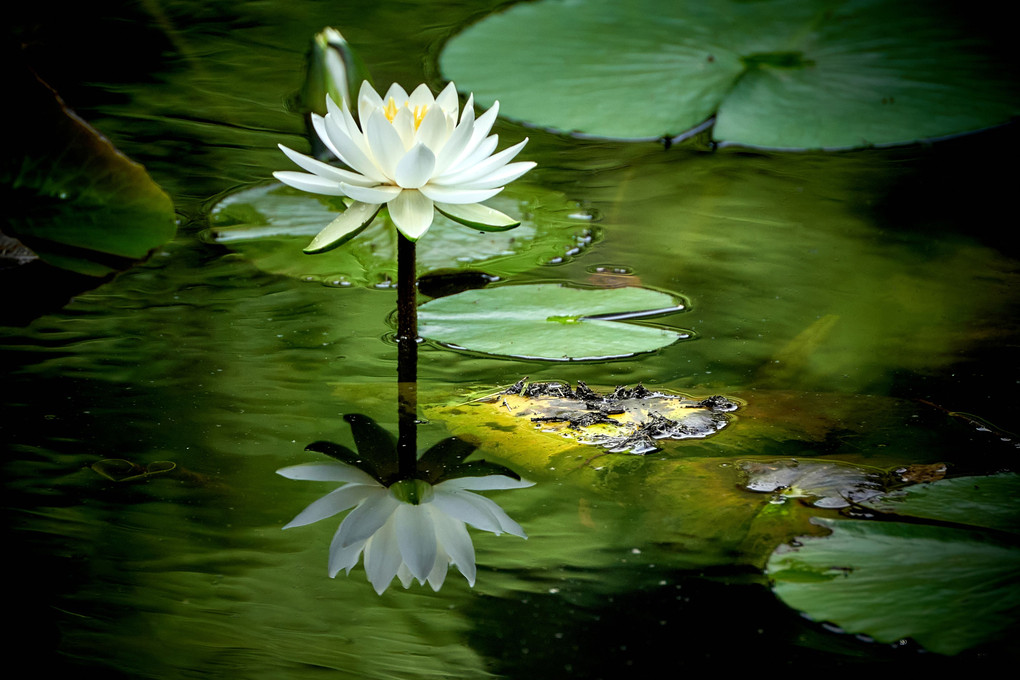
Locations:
column 786, row 74
column 551, row 322
column 271, row 224
column 823, row 484
column 624, row 420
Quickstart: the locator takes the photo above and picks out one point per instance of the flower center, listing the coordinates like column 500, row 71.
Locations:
column 412, row 491
column 391, row 109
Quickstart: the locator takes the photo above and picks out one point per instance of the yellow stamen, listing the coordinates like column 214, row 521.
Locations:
column 391, row 109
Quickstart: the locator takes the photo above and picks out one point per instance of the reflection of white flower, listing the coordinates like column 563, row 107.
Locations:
column 414, row 153
column 411, row 530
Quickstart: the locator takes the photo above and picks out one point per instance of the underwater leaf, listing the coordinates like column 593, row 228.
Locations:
column 271, row 224
column 550, row 321
column 823, row 484
column 948, row 589
column 783, row 74
column 72, row 198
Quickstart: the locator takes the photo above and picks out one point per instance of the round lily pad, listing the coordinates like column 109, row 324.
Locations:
column 270, row 225
column 550, row 321
column 785, row 74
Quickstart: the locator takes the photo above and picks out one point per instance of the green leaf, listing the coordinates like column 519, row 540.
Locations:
column 946, row 588
column 529, row 321
column 787, row 74
column 270, row 225
column 71, row 197
column 979, row 501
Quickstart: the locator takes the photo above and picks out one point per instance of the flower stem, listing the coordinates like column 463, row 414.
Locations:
column 407, row 358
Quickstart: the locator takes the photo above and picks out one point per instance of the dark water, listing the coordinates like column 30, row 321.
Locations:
column 854, row 301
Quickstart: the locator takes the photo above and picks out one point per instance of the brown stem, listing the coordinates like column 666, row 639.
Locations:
column 407, row 358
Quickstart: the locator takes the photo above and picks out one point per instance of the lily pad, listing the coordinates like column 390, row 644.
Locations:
column 271, row 224
column 980, row 501
column 550, row 321
column 780, row 74
column 948, row 588
column 71, row 197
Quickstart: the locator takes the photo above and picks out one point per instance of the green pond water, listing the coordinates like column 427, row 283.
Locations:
column 859, row 305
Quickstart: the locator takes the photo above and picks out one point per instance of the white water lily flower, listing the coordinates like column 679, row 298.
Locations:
column 414, row 153
column 411, row 530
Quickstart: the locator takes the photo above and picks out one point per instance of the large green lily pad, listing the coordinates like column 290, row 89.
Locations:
column 777, row 74
column 270, row 225
column 550, row 321
column 947, row 588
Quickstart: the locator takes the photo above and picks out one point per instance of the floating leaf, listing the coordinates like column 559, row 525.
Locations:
column 550, row 321
column 946, row 588
column 271, row 224
column 779, row 74
column 979, row 501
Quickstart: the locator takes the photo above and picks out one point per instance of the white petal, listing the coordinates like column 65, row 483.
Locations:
column 382, row 193
column 469, row 154
column 412, row 213
column 416, row 537
column 447, row 99
column 387, row 148
column 481, row 152
column 463, row 506
column 325, row 170
column 485, row 508
column 403, row 123
column 310, row 183
column 351, row 153
column 366, row 519
column 341, row 557
column 382, row 557
column 438, row 573
column 456, row 143
column 421, row 96
column 499, row 177
column 434, row 130
column 470, row 173
column 368, row 101
column 441, row 194
column 328, row 472
column 337, row 501
column 483, row 483
column 319, row 125
column 415, row 168
column 453, row 537
column 397, row 93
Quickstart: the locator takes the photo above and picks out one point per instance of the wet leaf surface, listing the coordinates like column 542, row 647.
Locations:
column 550, row 321
column 782, row 74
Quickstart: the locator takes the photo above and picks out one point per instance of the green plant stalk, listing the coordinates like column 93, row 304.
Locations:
column 407, row 358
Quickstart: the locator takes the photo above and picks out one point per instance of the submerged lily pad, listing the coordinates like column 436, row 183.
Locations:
column 823, row 484
column 777, row 74
column 550, row 321
column 71, row 197
column 947, row 588
column 271, row 224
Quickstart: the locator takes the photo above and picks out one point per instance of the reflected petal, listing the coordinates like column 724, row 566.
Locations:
column 328, row 472
column 344, row 498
